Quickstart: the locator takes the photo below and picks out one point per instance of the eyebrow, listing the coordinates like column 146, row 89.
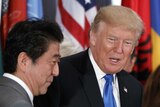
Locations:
column 129, row 39
column 57, row 57
column 113, row 36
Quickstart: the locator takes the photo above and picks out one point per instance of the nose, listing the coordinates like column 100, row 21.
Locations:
column 119, row 47
column 55, row 71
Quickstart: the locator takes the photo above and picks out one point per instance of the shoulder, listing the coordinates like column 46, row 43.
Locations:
column 75, row 64
column 14, row 99
column 13, row 92
column 9, row 84
column 76, row 60
column 17, row 103
column 128, row 79
column 75, row 57
column 21, row 103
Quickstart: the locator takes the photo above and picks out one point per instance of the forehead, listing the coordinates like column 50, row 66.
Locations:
column 118, row 31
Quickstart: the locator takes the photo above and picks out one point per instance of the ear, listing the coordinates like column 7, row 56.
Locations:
column 132, row 51
column 92, row 38
column 23, row 61
column 133, row 60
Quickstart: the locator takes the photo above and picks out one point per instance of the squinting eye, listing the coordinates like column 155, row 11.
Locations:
column 111, row 39
column 128, row 43
column 54, row 62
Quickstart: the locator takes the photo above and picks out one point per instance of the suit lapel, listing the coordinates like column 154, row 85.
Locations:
column 90, row 84
column 92, row 91
column 123, row 89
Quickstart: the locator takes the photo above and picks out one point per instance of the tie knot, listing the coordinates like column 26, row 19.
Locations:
column 108, row 78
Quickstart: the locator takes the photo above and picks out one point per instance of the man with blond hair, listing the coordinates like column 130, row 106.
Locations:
column 95, row 77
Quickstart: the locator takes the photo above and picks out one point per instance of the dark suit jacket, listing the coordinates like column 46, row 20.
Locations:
column 12, row 94
column 77, row 86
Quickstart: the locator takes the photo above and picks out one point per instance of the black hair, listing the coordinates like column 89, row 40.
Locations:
column 32, row 37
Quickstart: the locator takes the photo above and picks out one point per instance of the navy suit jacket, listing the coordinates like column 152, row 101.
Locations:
column 77, row 86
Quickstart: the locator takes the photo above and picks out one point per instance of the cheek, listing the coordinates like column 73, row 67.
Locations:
column 126, row 58
column 45, row 69
column 104, row 52
column 106, row 49
column 42, row 75
column 127, row 54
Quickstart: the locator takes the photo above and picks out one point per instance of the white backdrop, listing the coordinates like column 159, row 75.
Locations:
column 116, row 2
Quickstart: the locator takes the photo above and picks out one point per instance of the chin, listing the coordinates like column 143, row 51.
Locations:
column 113, row 70
column 43, row 92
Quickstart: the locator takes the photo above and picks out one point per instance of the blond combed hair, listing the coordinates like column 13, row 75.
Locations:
column 119, row 16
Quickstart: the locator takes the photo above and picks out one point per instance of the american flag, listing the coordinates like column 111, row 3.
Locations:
column 75, row 18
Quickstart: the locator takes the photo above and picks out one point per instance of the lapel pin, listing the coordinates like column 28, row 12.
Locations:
column 125, row 89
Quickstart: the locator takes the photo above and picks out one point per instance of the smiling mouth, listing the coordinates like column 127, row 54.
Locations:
column 114, row 60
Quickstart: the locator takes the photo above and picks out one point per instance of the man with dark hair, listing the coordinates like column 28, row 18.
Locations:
column 31, row 59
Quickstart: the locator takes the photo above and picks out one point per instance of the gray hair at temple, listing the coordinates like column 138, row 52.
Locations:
column 119, row 16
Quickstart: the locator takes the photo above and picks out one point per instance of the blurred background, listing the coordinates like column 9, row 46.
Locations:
column 75, row 17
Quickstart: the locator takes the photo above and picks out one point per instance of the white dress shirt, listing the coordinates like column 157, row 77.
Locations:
column 19, row 81
column 101, row 81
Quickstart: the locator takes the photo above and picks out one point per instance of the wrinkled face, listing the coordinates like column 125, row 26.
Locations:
column 111, row 47
column 43, row 71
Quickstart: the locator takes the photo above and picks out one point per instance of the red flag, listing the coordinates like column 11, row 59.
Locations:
column 14, row 11
column 143, row 51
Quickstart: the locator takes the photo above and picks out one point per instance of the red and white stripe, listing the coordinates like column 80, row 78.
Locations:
column 75, row 22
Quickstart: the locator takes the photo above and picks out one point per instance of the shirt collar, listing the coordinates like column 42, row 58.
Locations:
column 99, row 73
